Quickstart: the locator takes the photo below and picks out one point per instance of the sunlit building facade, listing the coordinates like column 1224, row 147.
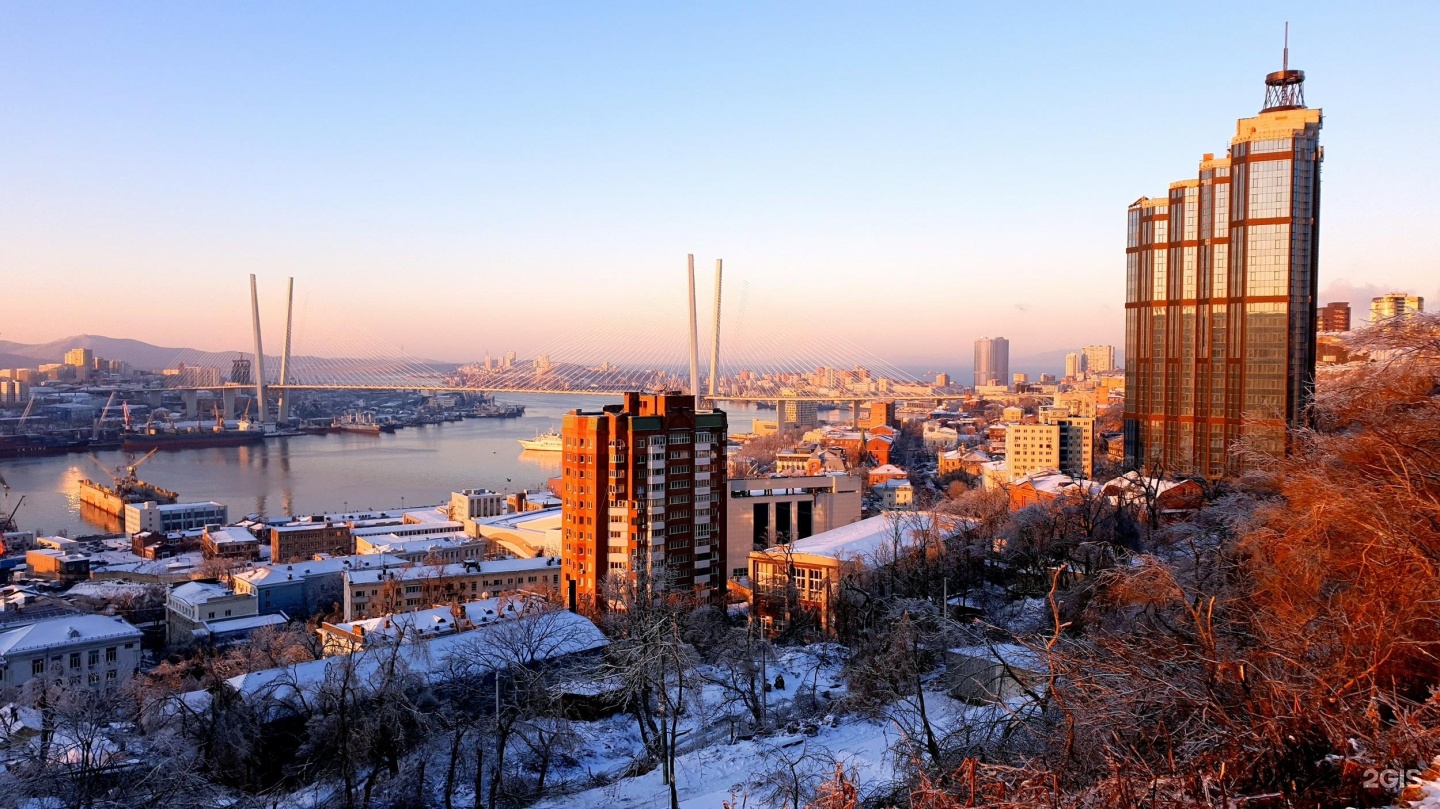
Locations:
column 992, row 361
column 1220, row 297
column 643, row 493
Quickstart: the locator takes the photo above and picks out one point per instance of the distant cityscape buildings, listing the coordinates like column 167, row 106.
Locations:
column 1333, row 317
column 1221, row 280
column 992, row 361
column 1098, row 359
column 1395, row 304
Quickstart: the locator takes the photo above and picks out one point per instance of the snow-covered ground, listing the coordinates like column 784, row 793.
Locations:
column 746, row 771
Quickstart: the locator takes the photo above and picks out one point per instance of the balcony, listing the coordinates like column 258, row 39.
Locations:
column 701, row 476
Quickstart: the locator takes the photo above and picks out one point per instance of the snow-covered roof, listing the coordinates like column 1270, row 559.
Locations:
column 232, row 535
column 430, row 514
column 862, row 538
column 399, row 545
column 526, row 640
column 65, row 631
column 887, row 469
column 439, row 620
column 407, row 571
column 261, row 575
column 435, row 527
column 245, row 624
column 196, row 593
column 524, row 519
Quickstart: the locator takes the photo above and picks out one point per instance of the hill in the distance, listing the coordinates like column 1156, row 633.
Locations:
column 141, row 355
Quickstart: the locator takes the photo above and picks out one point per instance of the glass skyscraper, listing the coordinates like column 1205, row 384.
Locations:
column 992, row 361
column 1220, row 291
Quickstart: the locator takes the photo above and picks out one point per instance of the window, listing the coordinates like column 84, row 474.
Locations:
column 111, row 676
column 94, row 657
column 74, row 660
column 37, row 667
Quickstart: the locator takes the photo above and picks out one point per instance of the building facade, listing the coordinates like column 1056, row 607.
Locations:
column 1395, row 304
column 289, row 543
column 1334, row 317
column 1098, row 359
column 164, row 518
column 992, row 361
column 764, row 511
column 1220, row 296
column 642, row 484
column 97, row 651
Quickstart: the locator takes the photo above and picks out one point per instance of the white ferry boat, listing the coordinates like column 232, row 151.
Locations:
column 545, row 442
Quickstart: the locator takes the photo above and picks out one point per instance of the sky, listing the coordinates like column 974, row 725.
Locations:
column 463, row 178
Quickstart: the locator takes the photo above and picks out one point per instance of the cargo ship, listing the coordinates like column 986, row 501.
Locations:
column 362, row 423
column 189, row 439
column 128, row 489
column 29, row 445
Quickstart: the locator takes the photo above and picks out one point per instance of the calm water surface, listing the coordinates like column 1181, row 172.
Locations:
column 316, row 473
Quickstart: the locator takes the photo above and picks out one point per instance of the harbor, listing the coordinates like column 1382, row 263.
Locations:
column 313, row 473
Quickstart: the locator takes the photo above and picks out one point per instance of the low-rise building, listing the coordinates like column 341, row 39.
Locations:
column 164, row 518
column 886, row 472
column 764, row 511
column 305, row 588
column 48, row 563
column 445, row 548
column 306, row 540
column 96, row 651
column 232, row 542
column 344, row 637
column 525, row 533
column 192, row 604
column 801, row 580
column 896, row 494
column 152, row 545
column 371, row 592
column 476, row 504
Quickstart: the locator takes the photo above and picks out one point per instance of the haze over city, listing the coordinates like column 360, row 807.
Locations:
column 468, row 177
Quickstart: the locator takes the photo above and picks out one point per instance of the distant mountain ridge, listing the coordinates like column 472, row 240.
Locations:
column 144, row 356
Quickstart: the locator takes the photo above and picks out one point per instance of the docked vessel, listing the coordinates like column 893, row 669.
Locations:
column 545, row 442
column 362, row 423
column 28, row 445
column 496, row 410
column 128, row 488
column 189, row 439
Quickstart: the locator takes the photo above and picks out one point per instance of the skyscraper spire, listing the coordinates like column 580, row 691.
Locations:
column 1285, row 88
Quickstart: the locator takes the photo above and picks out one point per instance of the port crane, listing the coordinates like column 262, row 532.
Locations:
column 7, row 521
column 95, row 434
column 128, row 482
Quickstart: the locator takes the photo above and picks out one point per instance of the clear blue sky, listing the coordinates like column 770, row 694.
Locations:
column 459, row 176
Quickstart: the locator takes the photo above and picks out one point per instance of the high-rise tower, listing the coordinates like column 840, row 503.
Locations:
column 992, row 361
column 1220, row 279
column 643, row 485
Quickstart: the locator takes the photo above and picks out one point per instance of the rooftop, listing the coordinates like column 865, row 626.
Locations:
column 863, row 538
column 261, row 575
column 230, row 536
column 196, row 593
column 65, row 630
column 407, row 571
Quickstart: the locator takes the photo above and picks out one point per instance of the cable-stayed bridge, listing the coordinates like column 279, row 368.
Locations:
column 744, row 346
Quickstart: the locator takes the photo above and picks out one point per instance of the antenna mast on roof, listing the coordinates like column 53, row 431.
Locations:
column 1285, row 88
